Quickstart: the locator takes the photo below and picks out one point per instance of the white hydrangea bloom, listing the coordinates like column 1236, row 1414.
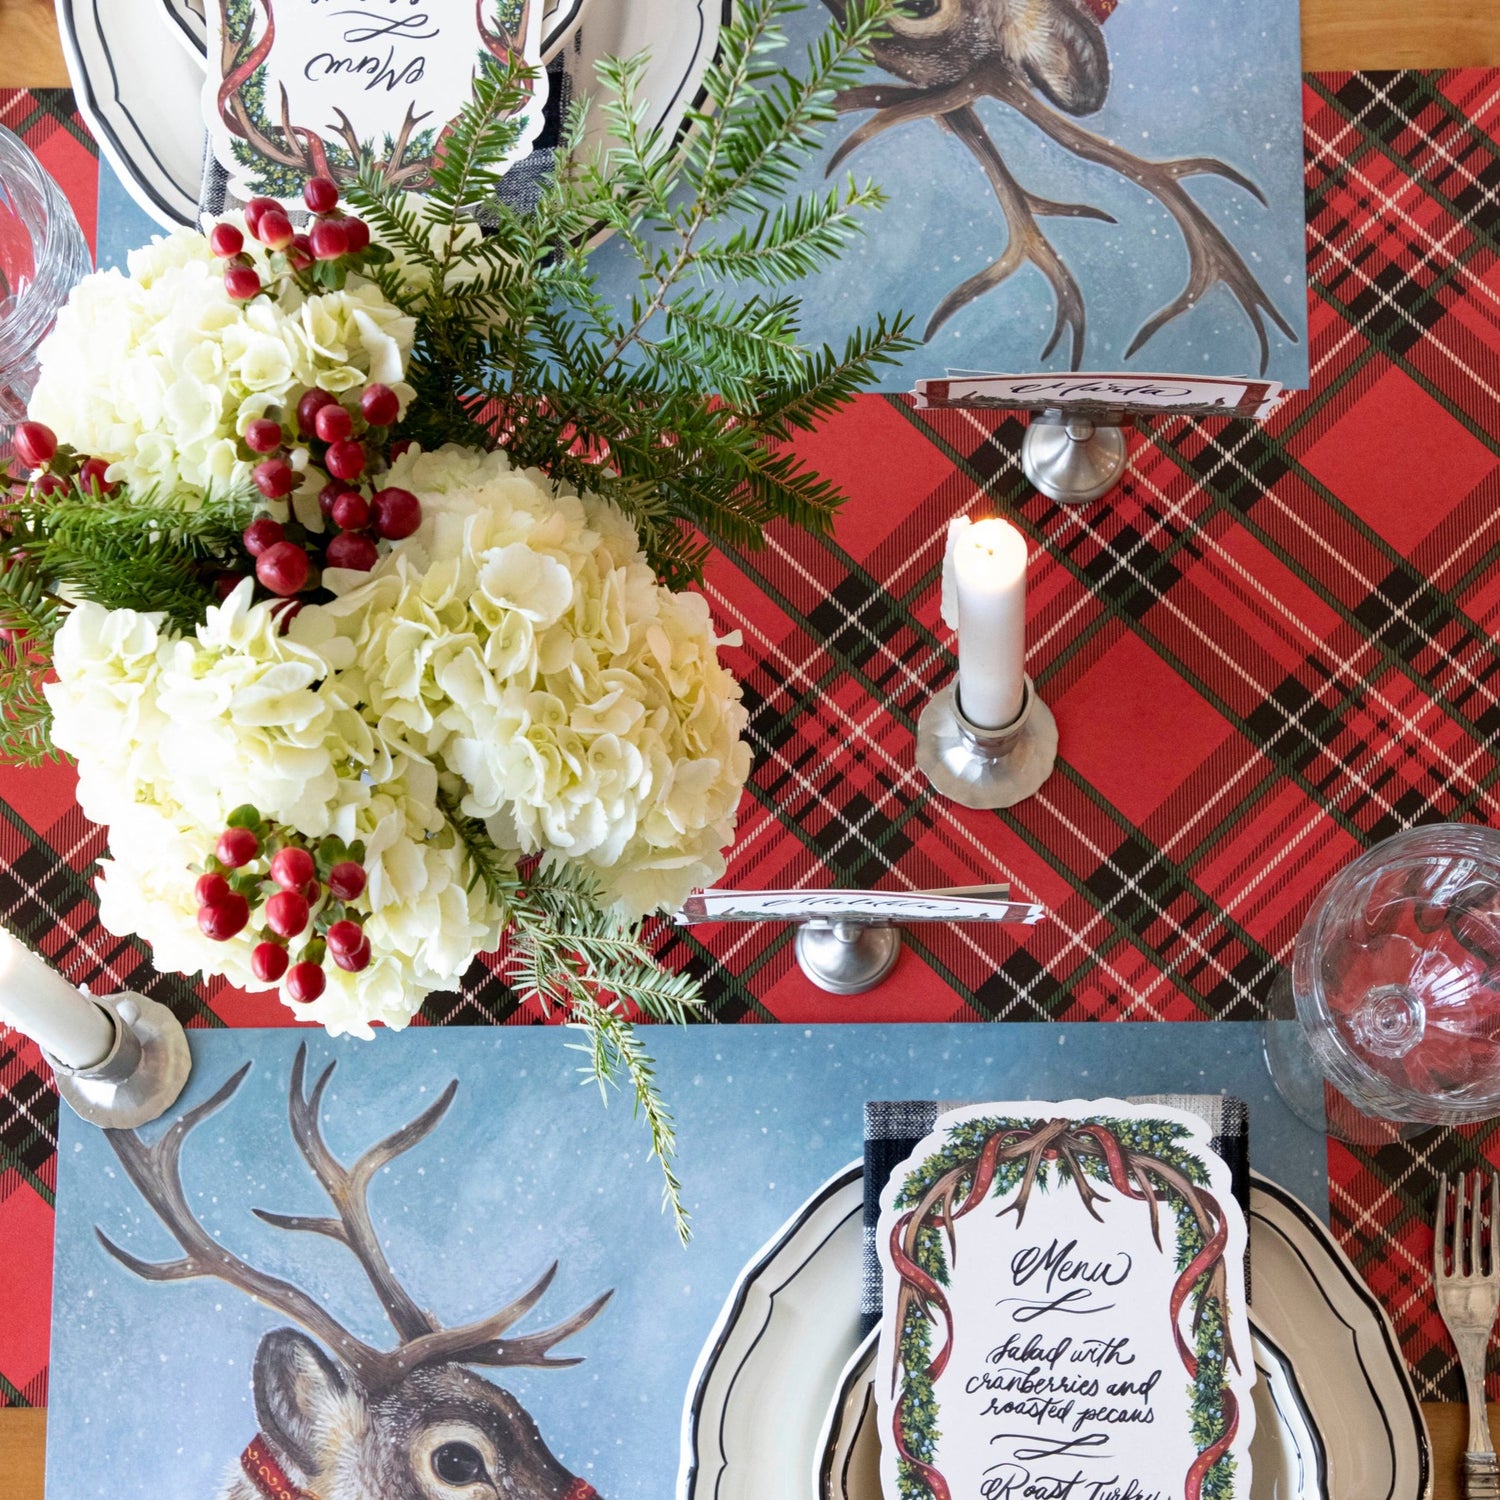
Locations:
column 520, row 640
column 517, row 649
column 160, row 371
column 171, row 734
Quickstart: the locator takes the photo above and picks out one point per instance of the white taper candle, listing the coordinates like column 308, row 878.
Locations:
column 37, row 1000
column 989, row 584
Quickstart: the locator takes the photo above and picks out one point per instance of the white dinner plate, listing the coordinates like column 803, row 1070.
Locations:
column 1287, row 1457
column 1339, row 1340
column 185, row 21
column 761, row 1406
column 141, row 99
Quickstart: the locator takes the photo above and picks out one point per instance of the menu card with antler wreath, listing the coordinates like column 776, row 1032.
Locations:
column 1064, row 1309
column 301, row 88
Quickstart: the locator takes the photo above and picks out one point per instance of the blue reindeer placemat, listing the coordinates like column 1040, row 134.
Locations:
column 368, row 1324
column 1109, row 185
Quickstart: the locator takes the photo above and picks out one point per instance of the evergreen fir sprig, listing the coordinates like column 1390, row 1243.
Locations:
column 574, row 954
column 673, row 404
column 113, row 549
column 30, row 617
column 124, row 551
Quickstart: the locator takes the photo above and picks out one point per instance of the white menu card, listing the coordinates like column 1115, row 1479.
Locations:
column 301, row 88
column 1064, row 1310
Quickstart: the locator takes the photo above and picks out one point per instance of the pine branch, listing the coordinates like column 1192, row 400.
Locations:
column 797, row 241
column 613, row 1046
column 481, row 138
column 573, row 953
column 128, row 553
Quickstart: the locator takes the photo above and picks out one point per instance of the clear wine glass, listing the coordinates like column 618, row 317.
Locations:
column 1389, row 1019
column 43, row 255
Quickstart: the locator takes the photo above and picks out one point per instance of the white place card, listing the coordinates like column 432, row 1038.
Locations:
column 854, row 906
column 1120, row 393
column 1064, row 1310
column 299, row 90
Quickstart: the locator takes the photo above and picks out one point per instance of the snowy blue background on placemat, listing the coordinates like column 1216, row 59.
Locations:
column 1188, row 78
column 151, row 1383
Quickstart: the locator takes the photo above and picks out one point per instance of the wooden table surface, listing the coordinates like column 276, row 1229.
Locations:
column 1335, row 34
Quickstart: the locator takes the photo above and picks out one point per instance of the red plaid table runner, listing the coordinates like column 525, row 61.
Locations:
column 1271, row 648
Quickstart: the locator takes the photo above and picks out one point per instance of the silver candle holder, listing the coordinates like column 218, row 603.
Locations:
column 848, row 941
column 143, row 1073
column 978, row 767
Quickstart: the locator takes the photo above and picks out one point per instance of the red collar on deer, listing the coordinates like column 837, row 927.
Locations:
column 263, row 1471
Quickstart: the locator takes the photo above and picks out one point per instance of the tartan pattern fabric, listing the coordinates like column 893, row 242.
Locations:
column 1271, row 647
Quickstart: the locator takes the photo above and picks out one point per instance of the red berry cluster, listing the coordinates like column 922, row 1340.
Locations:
column 36, row 445
column 300, row 895
column 332, row 236
column 346, row 446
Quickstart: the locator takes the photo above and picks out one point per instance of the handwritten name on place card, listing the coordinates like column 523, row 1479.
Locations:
column 1123, row 393
column 302, row 88
column 852, row 906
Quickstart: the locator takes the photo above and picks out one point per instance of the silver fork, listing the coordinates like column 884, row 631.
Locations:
column 1467, row 1298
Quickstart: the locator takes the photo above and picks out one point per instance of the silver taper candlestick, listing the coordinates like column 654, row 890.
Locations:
column 979, row 767
column 144, row 1072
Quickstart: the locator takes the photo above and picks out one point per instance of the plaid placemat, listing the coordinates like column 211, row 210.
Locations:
column 894, row 1128
column 1270, row 648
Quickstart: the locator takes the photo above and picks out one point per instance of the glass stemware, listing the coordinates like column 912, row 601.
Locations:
column 43, row 255
column 1389, row 1019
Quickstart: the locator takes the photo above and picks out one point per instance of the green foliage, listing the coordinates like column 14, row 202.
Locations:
column 115, row 551
column 1206, row 1395
column 919, row 1406
column 677, row 405
column 573, row 953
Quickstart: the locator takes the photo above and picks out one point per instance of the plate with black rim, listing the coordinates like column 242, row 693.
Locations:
column 780, row 1377
column 140, row 99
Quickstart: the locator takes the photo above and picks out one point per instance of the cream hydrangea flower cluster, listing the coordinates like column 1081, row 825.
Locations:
column 172, row 733
column 160, row 371
column 521, row 642
column 516, row 652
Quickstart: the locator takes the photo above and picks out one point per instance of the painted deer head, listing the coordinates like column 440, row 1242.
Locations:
column 1048, row 61
column 339, row 1418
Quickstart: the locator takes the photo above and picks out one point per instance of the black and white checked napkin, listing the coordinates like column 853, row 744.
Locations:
column 895, row 1127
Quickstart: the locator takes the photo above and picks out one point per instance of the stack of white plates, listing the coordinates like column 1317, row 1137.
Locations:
column 141, row 96
column 782, row 1402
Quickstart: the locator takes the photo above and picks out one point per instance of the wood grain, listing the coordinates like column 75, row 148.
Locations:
column 1398, row 34
column 23, row 1433
column 31, row 56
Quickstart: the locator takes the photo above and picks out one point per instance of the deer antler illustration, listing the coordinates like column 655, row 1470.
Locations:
column 1025, row 53
column 423, row 1342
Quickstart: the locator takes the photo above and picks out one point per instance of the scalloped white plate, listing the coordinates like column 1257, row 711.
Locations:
column 774, row 1408
column 1288, row 1459
column 141, row 99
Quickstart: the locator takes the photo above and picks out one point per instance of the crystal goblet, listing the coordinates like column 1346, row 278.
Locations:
column 1389, row 1019
column 43, row 255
